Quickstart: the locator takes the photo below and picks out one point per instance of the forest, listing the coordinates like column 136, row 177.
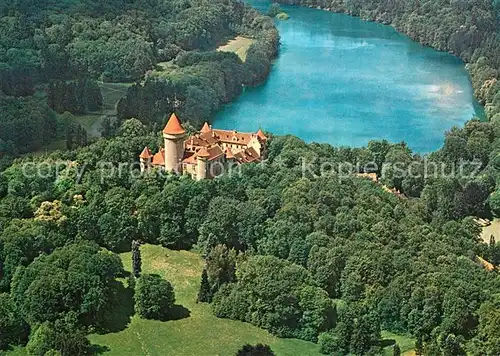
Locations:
column 322, row 256
column 353, row 258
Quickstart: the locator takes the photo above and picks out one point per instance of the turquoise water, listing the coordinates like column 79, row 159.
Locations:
column 344, row 81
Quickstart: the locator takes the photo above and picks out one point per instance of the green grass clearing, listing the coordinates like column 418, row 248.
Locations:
column 111, row 94
column 201, row 333
column 492, row 229
column 92, row 123
column 406, row 343
column 239, row 45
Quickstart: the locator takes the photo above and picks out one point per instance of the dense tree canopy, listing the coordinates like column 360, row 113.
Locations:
column 115, row 40
column 25, row 124
column 278, row 296
column 303, row 252
column 341, row 242
column 55, row 52
column 197, row 84
column 73, row 279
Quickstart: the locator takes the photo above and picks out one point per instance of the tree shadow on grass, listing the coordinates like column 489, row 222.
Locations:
column 387, row 342
column 118, row 314
column 98, row 349
column 177, row 312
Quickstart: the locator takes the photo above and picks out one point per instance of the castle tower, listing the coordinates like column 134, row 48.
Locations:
column 206, row 128
column 201, row 163
column 145, row 158
column 173, row 136
column 261, row 136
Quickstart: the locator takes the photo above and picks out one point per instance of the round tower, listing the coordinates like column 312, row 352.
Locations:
column 173, row 137
column 201, row 163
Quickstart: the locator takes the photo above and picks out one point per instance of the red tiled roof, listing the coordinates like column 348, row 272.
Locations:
column 215, row 152
column 261, row 135
column 209, row 144
column 247, row 156
column 229, row 153
column 198, row 141
column 146, row 153
column 190, row 160
column 240, row 138
column 159, row 158
column 173, row 126
column 202, row 152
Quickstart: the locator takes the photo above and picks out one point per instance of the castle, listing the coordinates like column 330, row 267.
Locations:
column 204, row 155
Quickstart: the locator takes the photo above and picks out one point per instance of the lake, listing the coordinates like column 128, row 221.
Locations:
column 344, row 81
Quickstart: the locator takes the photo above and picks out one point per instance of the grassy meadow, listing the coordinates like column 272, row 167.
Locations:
column 194, row 330
column 111, row 94
column 239, row 45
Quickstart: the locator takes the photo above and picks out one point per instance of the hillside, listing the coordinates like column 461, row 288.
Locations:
column 301, row 254
column 53, row 54
column 197, row 331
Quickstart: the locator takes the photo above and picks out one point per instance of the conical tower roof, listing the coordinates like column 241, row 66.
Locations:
column 174, row 126
column 261, row 135
column 146, row 153
column 203, row 153
column 206, row 128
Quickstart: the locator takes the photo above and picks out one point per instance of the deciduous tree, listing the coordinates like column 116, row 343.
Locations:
column 154, row 297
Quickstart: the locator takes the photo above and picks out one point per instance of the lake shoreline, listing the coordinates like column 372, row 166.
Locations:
column 329, row 64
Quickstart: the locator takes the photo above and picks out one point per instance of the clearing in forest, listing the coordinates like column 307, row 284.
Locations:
column 111, row 94
column 239, row 45
column 492, row 229
column 193, row 330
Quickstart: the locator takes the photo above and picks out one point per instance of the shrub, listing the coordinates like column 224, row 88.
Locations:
column 60, row 338
column 327, row 343
column 282, row 16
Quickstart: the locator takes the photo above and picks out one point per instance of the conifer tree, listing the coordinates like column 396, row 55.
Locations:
column 494, row 251
column 136, row 258
column 396, row 351
column 205, row 293
column 419, row 346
